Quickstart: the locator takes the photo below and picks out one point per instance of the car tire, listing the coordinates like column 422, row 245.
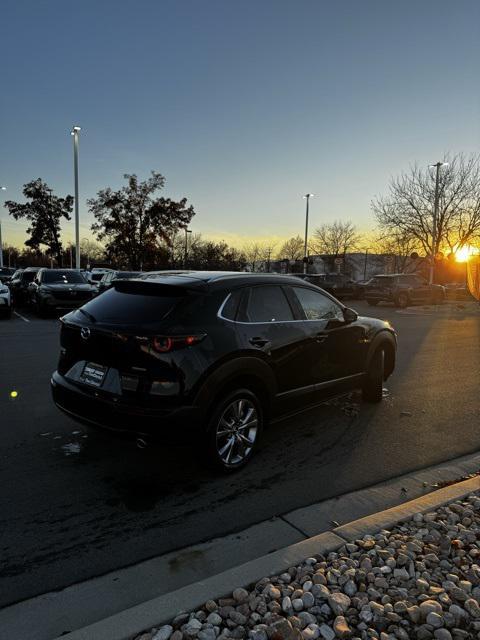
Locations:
column 227, row 430
column 439, row 297
column 373, row 385
column 402, row 300
column 372, row 303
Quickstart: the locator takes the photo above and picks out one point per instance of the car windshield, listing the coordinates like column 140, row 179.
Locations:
column 96, row 277
column 63, row 277
column 29, row 276
column 127, row 274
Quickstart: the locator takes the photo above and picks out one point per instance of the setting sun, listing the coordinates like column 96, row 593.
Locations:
column 464, row 253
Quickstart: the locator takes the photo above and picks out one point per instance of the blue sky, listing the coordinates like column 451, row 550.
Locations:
column 243, row 106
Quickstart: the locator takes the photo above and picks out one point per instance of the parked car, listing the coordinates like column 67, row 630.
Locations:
column 214, row 356
column 19, row 283
column 458, row 291
column 336, row 284
column 108, row 278
column 6, row 274
column 5, row 301
column 403, row 290
column 359, row 288
column 54, row 289
column 96, row 274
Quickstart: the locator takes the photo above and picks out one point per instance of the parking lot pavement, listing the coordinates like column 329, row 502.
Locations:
column 74, row 505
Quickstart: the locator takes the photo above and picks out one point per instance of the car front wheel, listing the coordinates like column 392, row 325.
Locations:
column 233, row 430
column 373, row 385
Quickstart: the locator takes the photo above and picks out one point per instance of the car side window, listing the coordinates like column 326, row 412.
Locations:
column 316, row 306
column 230, row 305
column 266, row 304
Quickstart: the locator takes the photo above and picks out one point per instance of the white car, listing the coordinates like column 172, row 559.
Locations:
column 5, row 301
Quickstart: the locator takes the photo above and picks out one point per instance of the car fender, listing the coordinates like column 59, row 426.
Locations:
column 225, row 374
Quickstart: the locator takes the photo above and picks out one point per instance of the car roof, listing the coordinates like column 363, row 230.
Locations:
column 221, row 279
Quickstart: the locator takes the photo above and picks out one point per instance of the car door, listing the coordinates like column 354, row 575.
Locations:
column 337, row 349
column 421, row 288
column 267, row 324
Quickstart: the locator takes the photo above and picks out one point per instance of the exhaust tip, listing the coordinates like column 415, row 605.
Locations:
column 141, row 443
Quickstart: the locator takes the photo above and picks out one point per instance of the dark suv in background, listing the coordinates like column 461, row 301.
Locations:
column 108, row 278
column 54, row 289
column 19, row 283
column 336, row 284
column 403, row 290
column 215, row 355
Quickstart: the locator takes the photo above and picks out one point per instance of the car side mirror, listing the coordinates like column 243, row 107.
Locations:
column 349, row 315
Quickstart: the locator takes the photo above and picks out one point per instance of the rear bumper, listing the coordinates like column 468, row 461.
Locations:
column 116, row 415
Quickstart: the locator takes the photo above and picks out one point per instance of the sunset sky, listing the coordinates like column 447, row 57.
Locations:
column 243, row 106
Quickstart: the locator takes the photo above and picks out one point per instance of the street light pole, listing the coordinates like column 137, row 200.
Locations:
column 75, row 131
column 307, row 196
column 365, row 264
column 435, row 217
column 1, row 245
column 187, row 231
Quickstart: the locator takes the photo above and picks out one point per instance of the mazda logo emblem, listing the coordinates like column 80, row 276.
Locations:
column 85, row 333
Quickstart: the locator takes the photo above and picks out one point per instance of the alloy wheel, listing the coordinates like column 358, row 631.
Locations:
column 236, row 432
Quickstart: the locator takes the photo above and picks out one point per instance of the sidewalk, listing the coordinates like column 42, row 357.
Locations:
column 372, row 578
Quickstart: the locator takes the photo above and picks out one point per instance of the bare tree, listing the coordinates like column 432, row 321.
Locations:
column 401, row 246
column 253, row 254
column 336, row 238
column 292, row 249
column 408, row 208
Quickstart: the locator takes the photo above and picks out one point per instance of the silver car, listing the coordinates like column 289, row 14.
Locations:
column 5, row 301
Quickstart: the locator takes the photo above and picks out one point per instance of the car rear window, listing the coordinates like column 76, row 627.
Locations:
column 132, row 307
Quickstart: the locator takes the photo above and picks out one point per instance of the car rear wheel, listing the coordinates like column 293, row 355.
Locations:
column 233, row 430
column 372, row 303
column 373, row 385
column 402, row 300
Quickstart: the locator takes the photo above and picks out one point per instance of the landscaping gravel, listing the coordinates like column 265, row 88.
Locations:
column 420, row 580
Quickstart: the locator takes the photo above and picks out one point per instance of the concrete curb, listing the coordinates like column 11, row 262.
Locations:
column 128, row 623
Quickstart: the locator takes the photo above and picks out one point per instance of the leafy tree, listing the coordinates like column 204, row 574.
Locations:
column 134, row 224
column 409, row 206
column 336, row 238
column 292, row 249
column 44, row 212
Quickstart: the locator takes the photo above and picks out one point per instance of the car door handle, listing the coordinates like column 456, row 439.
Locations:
column 321, row 336
column 259, row 342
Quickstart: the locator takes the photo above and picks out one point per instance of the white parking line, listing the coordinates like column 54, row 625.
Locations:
column 22, row 317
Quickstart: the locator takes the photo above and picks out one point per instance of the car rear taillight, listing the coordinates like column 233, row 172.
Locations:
column 165, row 344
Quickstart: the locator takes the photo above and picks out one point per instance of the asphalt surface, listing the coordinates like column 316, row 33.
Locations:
column 74, row 505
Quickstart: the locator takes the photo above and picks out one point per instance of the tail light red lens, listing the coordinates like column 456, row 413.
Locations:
column 165, row 344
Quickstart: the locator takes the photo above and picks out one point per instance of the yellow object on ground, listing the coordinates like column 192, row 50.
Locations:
column 473, row 276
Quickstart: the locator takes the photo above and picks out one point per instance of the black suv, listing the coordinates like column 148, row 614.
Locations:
column 19, row 283
column 403, row 290
column 6, row 274
column 215, row 354
column 54, row 289
column 336, row 284
column 108, row 278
